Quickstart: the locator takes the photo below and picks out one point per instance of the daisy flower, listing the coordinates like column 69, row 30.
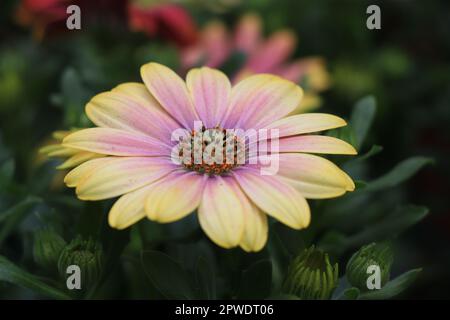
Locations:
column 250, row 53
column 135, row 137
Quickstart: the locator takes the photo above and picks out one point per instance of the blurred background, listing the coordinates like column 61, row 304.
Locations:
column 48, row 73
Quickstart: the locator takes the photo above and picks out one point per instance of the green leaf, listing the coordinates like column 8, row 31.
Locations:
column 256, row 281
column 362, row 118
column 205, row 278
column 167, row 275
column 13, row 216
column 6, row 172
column 400, row 173
column 400, row 220
column 9, row 272
column 350, row 294
column 283, row 296
column 374, row 150
column 393, row 287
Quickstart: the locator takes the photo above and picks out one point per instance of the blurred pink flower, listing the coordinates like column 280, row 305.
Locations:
column 217, row 47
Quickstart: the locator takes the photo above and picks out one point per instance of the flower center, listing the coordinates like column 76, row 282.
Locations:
column 212, row 151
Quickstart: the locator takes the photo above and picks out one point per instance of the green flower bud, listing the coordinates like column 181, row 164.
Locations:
column 373, row 254
column 86, row 254
column 47, row 248
column 311, row 276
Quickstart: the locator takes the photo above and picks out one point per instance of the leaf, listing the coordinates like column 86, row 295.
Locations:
column 205, row 278
column 14, row 215
column 9, row 272
column 283, row 296
column 393, row 287
column 6, row 172
column 256, row 281
column 393, row 224
column 400, row 173
column 362, row 118
column 350, row 294
column 374, row 150
column 167, row 275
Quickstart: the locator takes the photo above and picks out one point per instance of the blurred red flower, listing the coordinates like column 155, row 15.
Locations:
column 169, row 21
column 48, row 17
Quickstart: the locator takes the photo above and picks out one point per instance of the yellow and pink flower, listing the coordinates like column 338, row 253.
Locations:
column 133, row 148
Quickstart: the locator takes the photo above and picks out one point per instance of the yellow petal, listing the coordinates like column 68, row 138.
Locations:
column 221, row 212
column 122, row 175
column 174, row 196
column 306, row 123
column 76, row 175
column 275, row 197
column 128, row 209
column 79, row 158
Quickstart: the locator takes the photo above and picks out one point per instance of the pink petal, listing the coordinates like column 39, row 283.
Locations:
column 131, row 107
column 261, row 99
column 272, row 53
column 248, row 33
column 171, row 92
column 210, row 89
column 116, row 142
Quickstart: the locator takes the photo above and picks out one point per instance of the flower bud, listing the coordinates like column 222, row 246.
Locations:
column 87, row 255
column 373, row 254
column 47, row 248
column 311, row 276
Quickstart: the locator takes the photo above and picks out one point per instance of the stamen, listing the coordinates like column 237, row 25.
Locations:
column 215, row 151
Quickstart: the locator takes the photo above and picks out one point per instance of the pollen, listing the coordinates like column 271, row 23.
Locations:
column 213, row 151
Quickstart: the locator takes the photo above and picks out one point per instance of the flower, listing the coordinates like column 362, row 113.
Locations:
column 248, row 53
column 50, row 16
column 135, row 134
column 170, row 21
column 373, row 254
column 87, row 255
column 47, row 248
column 311, row 275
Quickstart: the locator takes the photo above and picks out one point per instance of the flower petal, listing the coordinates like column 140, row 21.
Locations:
column 128, row 209
column 256, row 228
column 313, row 176
column 275, row 197
column 315, row 144
column 77, row 159
column 261, row 99
column 306, row 123
column 175, row 196
column 122, row 175
column 273, row 52
column 221, row 212
column 248, row 33
column 132, row 108
column 170, row 91
column 210, row 90
column 116, row 142
column 76, row 175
